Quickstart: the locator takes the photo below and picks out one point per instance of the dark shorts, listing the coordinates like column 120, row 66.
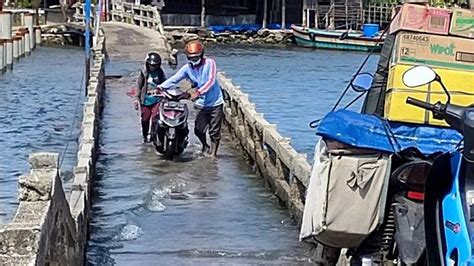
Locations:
column 150, row 112
column 209, row 118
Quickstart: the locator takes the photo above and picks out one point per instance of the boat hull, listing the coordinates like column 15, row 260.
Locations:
column 330, row 40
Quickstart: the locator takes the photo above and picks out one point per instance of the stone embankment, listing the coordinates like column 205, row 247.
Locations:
column 272, row 155
column 180, row 36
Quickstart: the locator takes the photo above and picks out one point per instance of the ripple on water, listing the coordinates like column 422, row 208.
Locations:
column 194, row 210
column 129, row 232
column 38, row 97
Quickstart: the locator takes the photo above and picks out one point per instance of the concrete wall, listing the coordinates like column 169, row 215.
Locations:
column 286, row 170
column 42, row 230
column 195, row 20
column 47, row 228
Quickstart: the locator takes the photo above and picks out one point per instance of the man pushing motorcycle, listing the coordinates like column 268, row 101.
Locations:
column 201, row 71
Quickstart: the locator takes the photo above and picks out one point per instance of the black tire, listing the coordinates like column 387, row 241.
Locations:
column 325, row 255
column 170, row 148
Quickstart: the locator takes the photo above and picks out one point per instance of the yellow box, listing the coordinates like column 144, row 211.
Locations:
column 459, row 83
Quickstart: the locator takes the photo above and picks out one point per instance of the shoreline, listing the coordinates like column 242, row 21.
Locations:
column 265, row 37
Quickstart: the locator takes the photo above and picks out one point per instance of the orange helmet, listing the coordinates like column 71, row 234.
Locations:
column 194, row 49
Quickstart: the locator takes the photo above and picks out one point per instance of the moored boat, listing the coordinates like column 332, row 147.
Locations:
column 337, row 40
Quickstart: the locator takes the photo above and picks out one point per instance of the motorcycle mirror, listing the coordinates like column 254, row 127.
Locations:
column 419, row 76
column 362, row 82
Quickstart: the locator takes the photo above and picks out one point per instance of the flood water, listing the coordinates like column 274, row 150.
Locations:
column 293, row 86
column 148, row 211
column 40, row 110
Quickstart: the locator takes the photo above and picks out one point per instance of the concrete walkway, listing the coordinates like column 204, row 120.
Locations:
column 190, row 211
column 133, row 42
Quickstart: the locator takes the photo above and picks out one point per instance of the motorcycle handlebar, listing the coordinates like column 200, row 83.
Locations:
column 420, row 104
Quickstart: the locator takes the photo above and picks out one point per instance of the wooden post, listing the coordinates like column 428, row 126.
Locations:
column 308, row 17
column 347, row 14
column 303, row 22
column 265, row 11
column 316, row 18
column 316, row 15
column 471, row 4
column 283, row 14
column 381, row 11
column 332, row 14
column 203, row 13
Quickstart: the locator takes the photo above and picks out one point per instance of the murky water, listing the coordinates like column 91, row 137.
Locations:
column 38, row 102
column 148, row 211
column 292, row 86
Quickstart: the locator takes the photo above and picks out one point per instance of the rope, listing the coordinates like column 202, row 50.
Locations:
column 73, row 120
column 315, row 123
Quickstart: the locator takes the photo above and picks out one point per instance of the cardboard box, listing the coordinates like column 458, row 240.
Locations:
column 462, row 23
column 421, row 18
column 397, row 109
column 433, row 50
column 459, row 84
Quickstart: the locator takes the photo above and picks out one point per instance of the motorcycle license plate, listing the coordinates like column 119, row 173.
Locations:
column 174, row 106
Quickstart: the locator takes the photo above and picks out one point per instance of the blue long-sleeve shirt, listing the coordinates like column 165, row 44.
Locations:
column 205, row 77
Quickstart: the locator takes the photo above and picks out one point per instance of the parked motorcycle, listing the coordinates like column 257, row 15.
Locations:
column 172, row 123
column 450, row 183
column 399, row 237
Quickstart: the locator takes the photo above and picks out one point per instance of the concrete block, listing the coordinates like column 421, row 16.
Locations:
column 261, row 123
column 20, row 241
column 42, row 160
column 302, row 170
column 88, row 133
column 271, row 137
column 243, row 99
column 81, row 182
column 86, row 150
column 250, row 113
column 37, row 186
column 286, row 153
column 83, row 166
column 31, row 212
column 77, row 203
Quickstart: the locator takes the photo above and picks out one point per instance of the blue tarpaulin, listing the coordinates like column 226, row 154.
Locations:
column 244, row 27
column 372, row 132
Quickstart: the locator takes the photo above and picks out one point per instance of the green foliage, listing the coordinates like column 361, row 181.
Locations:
column 24, row 3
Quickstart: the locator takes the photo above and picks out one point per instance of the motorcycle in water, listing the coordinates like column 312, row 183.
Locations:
column 171, row 128
column 450, row 184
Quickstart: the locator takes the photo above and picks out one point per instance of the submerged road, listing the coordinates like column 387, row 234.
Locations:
column 149, row 211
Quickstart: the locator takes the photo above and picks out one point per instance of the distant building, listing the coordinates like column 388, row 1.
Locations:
column 314, row 13
column 188, row 12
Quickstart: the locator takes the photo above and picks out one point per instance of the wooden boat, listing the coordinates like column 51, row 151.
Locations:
column 337, row 40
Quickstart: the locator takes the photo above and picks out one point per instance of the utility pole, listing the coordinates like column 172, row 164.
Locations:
column 283, row 14
column 265, row 11
column 87, row 45
column 203, row 13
